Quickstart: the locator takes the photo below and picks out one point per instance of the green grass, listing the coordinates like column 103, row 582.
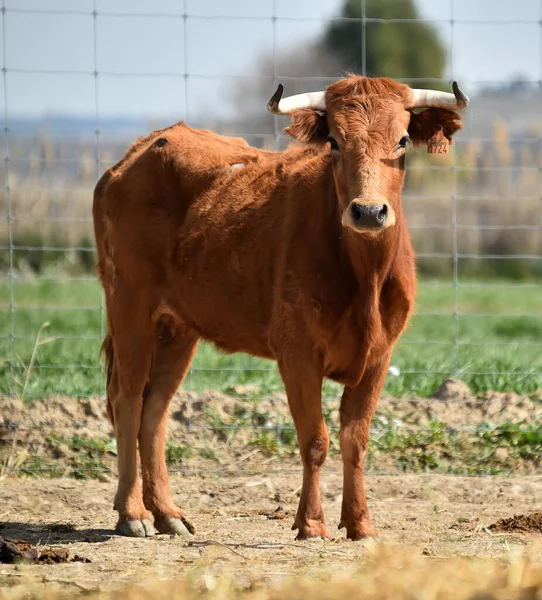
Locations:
column 176, row 453
column 485, row 449
column 496, row 351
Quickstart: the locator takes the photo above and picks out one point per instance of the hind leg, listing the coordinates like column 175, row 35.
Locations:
column 131, row 332
column 173, row 354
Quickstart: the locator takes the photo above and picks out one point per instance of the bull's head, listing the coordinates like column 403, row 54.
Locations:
column 368, row 125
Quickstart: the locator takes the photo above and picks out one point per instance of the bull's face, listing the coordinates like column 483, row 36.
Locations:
column 368, row 138
column 367, row 126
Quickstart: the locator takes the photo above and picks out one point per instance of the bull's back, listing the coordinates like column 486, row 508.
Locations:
column 199, row 236
column 142, row 201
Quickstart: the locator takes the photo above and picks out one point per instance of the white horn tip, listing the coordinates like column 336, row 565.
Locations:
column 462, row 99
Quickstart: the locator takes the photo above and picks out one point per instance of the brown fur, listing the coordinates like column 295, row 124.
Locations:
column 109, row 356
column 264, row 260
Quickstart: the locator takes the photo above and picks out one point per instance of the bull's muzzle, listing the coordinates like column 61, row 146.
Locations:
column 368, row 217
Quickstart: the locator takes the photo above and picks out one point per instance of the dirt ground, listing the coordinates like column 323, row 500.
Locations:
column 242, row 498
column 453, row 404
column 240, row 530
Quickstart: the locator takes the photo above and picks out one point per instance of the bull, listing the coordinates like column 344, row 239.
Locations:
column 301, row 256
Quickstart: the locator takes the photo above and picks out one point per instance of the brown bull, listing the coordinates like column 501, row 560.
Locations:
column 301, row 256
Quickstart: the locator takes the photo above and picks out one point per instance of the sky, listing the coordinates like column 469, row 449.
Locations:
column 142, row 49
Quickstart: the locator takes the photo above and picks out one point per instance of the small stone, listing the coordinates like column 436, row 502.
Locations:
column 453, row 389
column 494, row 406
column 502, row 453
column 246, row 389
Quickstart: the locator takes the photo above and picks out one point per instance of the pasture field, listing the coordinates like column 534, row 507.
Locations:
column 487, row 333
column 447, row 529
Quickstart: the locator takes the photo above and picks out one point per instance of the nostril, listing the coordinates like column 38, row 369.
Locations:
column 383, row 213
column 357, row 212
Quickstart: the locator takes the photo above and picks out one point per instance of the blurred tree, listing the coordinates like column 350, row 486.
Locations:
column 397, row 50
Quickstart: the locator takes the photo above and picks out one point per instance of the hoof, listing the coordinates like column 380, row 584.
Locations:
column 174, row 526
column 314, row 529
column 360, row 532
column 136, row 528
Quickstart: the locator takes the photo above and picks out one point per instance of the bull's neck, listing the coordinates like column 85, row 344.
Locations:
column 371, row 256
column 372, row 259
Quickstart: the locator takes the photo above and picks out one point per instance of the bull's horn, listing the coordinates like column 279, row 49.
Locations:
column 433, row 98
column 284, row 106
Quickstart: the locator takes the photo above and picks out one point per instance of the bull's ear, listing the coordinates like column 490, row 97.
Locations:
column 308, row 126
column 425, row 124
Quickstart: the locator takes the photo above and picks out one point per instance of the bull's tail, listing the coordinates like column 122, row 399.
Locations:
column 109, row 353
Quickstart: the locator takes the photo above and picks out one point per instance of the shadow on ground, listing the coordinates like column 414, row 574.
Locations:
column 53, row 533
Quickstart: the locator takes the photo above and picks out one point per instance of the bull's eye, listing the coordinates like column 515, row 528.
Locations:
column 403, row 142
column 333, row 142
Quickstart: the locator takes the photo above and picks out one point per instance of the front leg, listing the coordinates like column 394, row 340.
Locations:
column 357, row 408
column 303, row 383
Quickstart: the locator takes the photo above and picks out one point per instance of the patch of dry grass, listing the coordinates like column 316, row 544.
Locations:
column 386, row 573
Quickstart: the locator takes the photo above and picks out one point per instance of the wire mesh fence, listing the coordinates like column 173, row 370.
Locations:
column 475, row 216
